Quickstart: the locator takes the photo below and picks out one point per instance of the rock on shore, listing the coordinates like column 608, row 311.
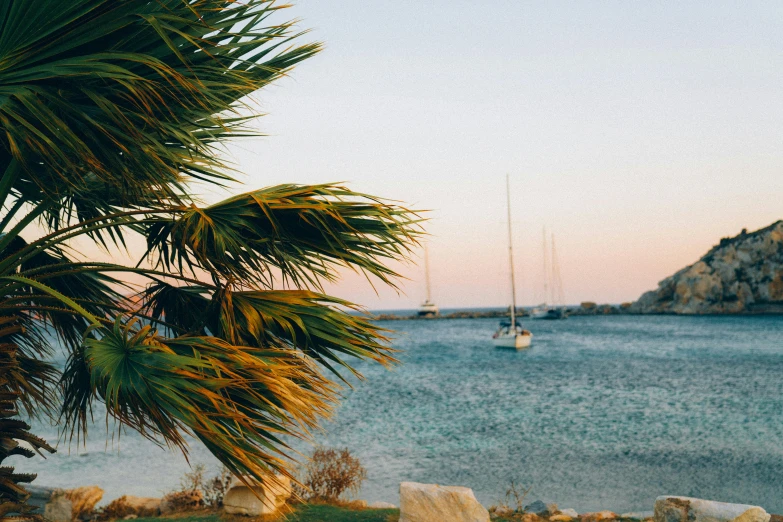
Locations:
column 84, row 500
column 434, row 503
column 741, row 274
column 261, row 498
column 677, row 509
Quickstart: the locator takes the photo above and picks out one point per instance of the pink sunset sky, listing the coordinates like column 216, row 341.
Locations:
column 639, row 133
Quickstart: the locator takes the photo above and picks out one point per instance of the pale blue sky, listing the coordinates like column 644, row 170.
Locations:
column 639, row 132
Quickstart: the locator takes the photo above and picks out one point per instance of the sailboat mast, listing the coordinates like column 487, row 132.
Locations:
column 557, row 281
column 546, row 271
column 511, row 256
column 427, row 272
column 555, row 275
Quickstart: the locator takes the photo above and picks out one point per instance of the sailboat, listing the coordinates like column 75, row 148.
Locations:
column 510, row 334
column 556, row 310
column 541, row 311
column 428, row 308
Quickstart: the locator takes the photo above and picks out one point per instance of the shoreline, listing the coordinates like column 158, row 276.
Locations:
column 579, row 311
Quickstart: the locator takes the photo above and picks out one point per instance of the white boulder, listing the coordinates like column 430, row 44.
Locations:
column 261, row 498
column 434, row 503
column 678, row 509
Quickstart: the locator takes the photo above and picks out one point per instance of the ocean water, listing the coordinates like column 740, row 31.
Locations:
column 601, row 413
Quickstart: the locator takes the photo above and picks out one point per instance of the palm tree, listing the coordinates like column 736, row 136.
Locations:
column 109, row 110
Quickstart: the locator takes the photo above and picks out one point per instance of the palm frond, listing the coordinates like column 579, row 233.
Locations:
column 239, row 401
column 23, row 369
column 108, row 110
column 324, row 328
column 96, row 293
column 303, row 231
column 137, row 93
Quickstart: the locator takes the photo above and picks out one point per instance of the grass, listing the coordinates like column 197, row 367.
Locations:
column 328, row 513
column 301, row 513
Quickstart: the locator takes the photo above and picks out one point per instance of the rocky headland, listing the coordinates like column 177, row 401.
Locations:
column 742, row 274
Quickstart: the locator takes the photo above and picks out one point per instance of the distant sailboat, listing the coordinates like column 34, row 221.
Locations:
column 510, row 334
column 558, row 310
column 428, row 308
column 553, row 283
column 542, row 310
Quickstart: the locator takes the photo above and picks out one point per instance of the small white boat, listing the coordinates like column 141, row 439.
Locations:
column 517, row 338
column 510, row 334
column 428, row 308
column 539, row 312
column 549, row 313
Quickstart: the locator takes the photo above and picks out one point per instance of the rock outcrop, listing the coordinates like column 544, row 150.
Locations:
column 542, row 509
column 143, row 506
column 740, row 275
column 84, row 500
column 434, row 503
column 59, row 508
column 677, row 509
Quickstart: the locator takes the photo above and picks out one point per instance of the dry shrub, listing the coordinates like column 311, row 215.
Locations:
column 117, row 508
column 514, row 501
column 196, row 490
column 193, row 481
column 120, row 508
column 146, row 513
column 177, row 501
column 329, row 473
column 215, row 489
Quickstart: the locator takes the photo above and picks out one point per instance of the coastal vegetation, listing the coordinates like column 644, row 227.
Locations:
column 330, row 473
column 216, row 326
column 299, row 513
column 305, row 512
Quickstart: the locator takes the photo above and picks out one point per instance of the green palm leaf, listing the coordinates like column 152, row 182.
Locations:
column 239, row 401
column 304, row 231
column 108, row 111
column 324, row 328
column 133, row 92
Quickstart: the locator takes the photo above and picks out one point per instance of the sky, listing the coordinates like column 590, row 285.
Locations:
column 639, row 133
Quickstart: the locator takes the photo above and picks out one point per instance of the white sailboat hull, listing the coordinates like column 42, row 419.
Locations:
column 539, row 313
column 428, row 310
column 517, row 341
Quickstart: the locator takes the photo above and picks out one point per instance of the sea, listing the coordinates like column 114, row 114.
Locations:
column 602, row 412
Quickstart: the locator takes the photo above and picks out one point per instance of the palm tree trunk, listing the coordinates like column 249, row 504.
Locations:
column 13, row 496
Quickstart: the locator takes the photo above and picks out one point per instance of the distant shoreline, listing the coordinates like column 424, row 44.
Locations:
column 585, row 309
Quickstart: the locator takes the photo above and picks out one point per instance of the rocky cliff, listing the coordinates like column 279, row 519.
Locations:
column 741, row 274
